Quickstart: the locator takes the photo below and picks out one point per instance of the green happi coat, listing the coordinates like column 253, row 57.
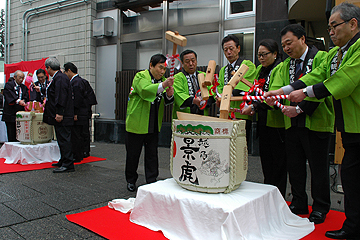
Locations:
column 343, row 85
column 181, row 93
column 275, row 118
column 322, row 119
column 250, row 76
column 143, row 93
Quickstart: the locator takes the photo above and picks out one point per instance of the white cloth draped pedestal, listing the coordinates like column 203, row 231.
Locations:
column 251, row 212
column 15, row 152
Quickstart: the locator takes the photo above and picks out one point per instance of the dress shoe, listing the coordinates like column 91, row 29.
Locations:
column 56, row 164
column 86, row 154
column 317, row 217
column 131, row 187
column 296, row 210
column 339, row 234
column 63, row 169
column 77, row 160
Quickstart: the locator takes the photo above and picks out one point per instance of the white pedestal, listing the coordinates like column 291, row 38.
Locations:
column 15, row 152
column 253, row 211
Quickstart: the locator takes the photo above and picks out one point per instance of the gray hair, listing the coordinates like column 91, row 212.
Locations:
column 53, row 63
column 17, row 72
column 347, row 11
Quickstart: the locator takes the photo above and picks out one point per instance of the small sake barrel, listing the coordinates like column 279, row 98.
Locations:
column 30, row 129
column 209, row 156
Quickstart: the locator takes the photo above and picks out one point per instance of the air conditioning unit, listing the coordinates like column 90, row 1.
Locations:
column 103, row 27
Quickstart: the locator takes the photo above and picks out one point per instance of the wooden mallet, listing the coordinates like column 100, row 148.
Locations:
column 226, row 95
column 176, row 39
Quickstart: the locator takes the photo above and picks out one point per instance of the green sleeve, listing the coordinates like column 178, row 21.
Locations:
column 346, row 80
column 319, row 71
column 221, row 80
column 181, row 89
column 250, row 76
column 318, row 74
column 144, row 87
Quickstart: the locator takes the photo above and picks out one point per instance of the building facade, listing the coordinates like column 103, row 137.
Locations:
column 105, row 37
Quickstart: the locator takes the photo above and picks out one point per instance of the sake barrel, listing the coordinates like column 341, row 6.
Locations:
column 30, row 129
column 209, row 155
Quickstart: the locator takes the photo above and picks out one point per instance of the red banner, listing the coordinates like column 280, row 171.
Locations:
column 25, row 66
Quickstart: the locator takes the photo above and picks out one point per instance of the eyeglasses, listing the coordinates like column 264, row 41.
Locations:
column 332, row 28
column 260, row 55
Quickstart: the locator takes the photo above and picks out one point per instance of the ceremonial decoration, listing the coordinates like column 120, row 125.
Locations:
column 177, row 39
column 30, row 129
column 208, row 154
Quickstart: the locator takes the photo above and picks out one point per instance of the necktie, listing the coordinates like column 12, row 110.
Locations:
column 339, row 57
column 194, row 83
column 297, row 66
column 231, row 68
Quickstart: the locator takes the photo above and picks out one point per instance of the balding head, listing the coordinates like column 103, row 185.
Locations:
column 19, row 76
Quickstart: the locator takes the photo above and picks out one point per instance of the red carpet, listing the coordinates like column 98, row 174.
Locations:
column 8, row 168
column 113, row 224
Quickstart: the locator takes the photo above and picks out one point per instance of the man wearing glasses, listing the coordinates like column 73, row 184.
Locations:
column 338, row 76
column 308, row 127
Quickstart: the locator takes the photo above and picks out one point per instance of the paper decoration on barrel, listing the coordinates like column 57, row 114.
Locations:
column 208, row 154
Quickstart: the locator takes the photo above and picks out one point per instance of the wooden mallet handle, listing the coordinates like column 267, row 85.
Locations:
column 210, row 71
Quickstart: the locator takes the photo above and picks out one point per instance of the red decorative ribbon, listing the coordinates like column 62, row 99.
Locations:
column 213, row 89
column 172, row 59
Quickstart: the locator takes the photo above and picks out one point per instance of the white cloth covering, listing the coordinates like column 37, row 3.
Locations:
column 251, row 212
column 122, row 205
column 15, row 152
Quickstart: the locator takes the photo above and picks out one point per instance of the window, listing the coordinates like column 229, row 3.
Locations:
column 239, row 8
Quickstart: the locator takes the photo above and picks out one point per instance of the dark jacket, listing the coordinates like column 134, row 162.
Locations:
column 89, row 96
column 11, row 94
column 39, row 96
column 80, row 102
column 59, row 101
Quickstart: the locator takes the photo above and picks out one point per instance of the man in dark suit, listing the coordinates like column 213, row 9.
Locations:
column 80, row 110
column 90, row 100
column 39, row 91
column 59, row 111
column 16, row 95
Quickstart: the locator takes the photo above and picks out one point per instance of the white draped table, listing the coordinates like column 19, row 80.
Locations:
column 15, row 152
column 253, row 211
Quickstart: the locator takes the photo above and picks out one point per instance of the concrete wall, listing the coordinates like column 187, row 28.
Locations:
column 66, row 33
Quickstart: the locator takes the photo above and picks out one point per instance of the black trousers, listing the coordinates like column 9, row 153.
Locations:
column 85, row 134
column 350, row 178
column 134, row 143
column 63, row 136
column 77, row 142
column 301, row 145
column 273, row 156
column 11, row 131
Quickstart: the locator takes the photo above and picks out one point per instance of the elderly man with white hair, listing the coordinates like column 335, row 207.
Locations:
column 16, row 95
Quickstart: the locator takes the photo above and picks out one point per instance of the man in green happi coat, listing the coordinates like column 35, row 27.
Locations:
column 186, row 85
column 150, row 91
column 338, row 76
